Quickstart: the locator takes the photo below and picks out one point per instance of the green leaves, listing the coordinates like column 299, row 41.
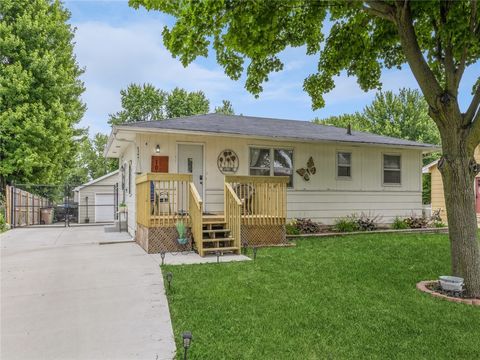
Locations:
column 39, row 92
column 146, row 103
column 403, row 115
column 359, row 37
column 226, row 108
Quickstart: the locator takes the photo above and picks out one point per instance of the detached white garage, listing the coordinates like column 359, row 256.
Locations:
column 96, row 199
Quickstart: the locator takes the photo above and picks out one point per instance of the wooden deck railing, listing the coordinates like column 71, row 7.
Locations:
column 196, row 214
column 263, row 198
column 233, row 212
column 162, row 199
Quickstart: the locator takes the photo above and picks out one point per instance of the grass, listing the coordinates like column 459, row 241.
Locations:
column 336, row 298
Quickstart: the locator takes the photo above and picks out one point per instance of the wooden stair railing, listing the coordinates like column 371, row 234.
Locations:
column 233, row 215
column 196, row 217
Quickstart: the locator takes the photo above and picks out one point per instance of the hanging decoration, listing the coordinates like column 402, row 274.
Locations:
column 310, row 169
column 227, row 161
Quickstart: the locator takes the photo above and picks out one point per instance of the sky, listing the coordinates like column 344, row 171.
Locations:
column 118, row 45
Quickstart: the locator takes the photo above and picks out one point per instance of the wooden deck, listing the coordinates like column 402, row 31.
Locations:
column 163, row 200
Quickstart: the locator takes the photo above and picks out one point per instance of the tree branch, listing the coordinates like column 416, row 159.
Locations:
column 431, row 89
column 377, row 13
column 380, row 9
column 463, row 59
column 473, row 108
column 473, row 139
column 449, row 62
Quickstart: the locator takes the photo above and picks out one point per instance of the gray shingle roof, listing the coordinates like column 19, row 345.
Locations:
column 271, row 128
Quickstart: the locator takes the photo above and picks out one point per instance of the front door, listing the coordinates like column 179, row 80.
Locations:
column 190, row 161
column 477, row 191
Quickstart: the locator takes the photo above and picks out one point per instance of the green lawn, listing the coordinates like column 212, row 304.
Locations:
column 350, row 297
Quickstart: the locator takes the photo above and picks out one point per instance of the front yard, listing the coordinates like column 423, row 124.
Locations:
column 350, row 297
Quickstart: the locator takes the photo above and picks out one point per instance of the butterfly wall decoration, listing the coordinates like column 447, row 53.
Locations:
column 308, row 170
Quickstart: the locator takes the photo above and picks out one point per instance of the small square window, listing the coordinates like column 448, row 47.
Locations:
column 344, row 164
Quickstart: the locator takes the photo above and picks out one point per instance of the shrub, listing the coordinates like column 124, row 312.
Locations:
column 399, row 224
column 307, row 226
column 302, row 226
column 347, row 224
column 3, row 224
column 367, row 222
column 416, row 222
column 438, row 224
column 291, row 228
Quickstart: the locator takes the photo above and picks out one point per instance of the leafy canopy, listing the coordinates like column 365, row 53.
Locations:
column 403, row 115
column 39, row 92
column 226, row 108
column 438, row 40
column 146, row 103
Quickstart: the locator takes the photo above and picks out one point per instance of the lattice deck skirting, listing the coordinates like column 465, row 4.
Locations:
column 263, row 235
column 158, row 239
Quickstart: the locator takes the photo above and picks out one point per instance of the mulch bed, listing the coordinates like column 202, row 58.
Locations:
column 433, row 288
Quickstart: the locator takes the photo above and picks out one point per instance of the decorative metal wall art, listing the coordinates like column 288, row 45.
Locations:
column 227, row 161
column 309, row 170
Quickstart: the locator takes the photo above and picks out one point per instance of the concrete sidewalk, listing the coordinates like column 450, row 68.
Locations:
column 64, row 296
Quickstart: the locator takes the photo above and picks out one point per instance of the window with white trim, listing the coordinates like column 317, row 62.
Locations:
column 272, row 162
column 344, row 165
column 392, row 173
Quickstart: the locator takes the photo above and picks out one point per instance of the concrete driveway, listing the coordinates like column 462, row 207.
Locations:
column 65, row 296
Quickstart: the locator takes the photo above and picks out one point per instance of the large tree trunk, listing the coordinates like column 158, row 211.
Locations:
column 458, row 172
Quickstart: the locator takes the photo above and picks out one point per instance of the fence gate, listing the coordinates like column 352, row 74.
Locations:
column 60, row 205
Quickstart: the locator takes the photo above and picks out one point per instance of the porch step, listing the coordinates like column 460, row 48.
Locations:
column 213, row 222
column 218, row 239
column 206, row 231
column 227, row 248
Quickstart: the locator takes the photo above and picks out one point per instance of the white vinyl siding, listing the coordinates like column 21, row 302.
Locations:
column 323, row 198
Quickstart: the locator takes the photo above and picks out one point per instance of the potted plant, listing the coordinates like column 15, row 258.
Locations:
column 182, row 232
column 122, row 207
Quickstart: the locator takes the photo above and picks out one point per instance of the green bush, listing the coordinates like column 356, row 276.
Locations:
column 347, row 224
column 439, row 224
column 399, row 224
column 3, row 224
column 292, row 229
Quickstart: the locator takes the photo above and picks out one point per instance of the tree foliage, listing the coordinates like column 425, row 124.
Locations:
column 226, row 108
column 140, row 103
column 403, row 115
column 438, row 39
column 39, row 92
column 146, row 103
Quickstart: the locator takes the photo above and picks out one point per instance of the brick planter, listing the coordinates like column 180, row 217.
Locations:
column 423, row 286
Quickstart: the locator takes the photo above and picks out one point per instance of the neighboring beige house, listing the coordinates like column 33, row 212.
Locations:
column 437, row 194
column 330, row 172
column 97, row 199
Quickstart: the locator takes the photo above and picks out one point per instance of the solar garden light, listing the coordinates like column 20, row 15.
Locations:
column 255, row 253
column 169, row 279
column 244, row 247
column 162, row 255
column 218, row 255
column 187, row 339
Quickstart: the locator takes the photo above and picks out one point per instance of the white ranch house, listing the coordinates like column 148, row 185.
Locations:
column 217, row 163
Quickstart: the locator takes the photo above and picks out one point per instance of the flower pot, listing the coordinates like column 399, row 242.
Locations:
column 122, row 209
column 182, row 241
column 451, row 283
column 87, row 220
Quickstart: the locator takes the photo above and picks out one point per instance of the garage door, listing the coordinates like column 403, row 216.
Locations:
column 104, row 207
